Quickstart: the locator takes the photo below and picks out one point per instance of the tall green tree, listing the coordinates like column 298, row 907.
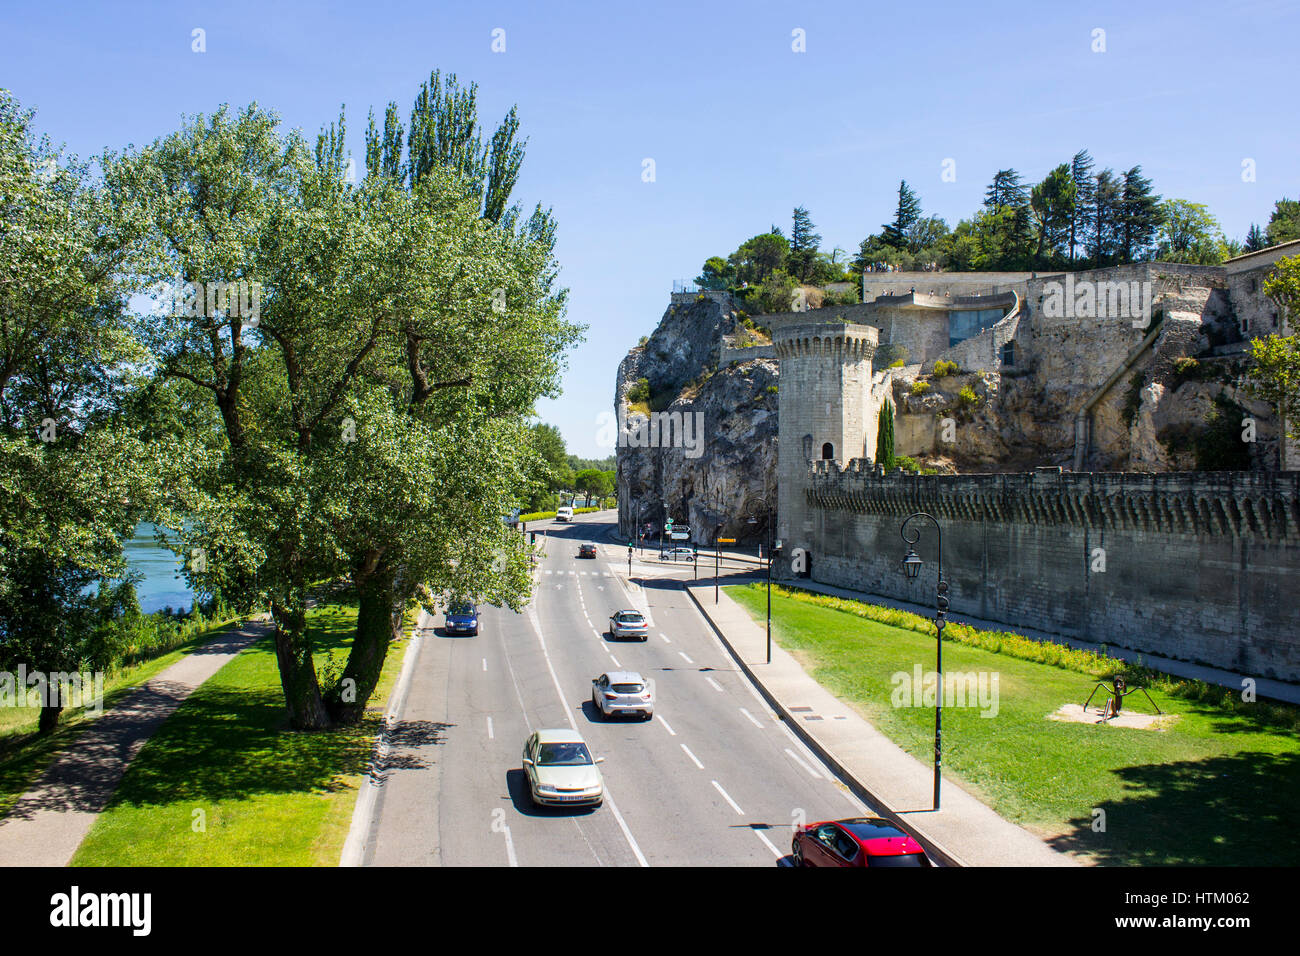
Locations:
column 885, row 436
column 373, row 415
column 1275, row 372
column 804, row 243
column 1284, row 222
column 1255, row 240
column 74, row 478
column 1188, row 233
column 1139, row 209
column 1084, row 187
column 1105, row 219
column 906, row 213
column 1053, row 205
column 1006, row 191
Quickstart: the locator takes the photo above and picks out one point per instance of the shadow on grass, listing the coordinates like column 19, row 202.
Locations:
column 1226, row 811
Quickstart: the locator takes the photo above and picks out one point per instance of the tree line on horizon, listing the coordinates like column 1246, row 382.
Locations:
column 1075, row 218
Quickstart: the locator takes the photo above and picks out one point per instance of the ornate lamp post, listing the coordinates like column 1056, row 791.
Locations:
column 912, row 568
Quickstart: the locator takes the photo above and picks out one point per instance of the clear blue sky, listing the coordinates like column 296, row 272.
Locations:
column 741, row 128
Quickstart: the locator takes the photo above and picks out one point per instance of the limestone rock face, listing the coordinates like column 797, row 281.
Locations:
column 704, row 443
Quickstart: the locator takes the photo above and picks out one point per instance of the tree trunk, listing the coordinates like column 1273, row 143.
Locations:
column 302, row 694
column 378, row 619
column 48, row 719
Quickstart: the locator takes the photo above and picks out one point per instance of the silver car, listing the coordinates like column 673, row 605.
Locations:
column 629, row 624
column 561, row 771
column 622, row 692
column 677, row 554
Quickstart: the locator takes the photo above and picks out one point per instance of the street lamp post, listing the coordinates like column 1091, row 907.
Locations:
column 912, row 567
column 768, row 536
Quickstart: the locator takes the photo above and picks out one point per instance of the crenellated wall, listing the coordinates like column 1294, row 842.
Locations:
column 1195, row 566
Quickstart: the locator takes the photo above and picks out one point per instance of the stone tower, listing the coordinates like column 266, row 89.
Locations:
column 826, row 410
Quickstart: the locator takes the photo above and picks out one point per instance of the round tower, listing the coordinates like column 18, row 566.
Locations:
column 826, row 411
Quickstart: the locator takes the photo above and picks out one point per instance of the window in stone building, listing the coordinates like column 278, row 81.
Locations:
column 1009, row 354
column 828, row 451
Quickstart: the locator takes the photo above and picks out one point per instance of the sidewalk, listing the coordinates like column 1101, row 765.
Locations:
column 965, row 832
column 48, row 823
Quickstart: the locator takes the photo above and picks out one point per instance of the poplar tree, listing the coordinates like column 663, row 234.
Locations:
column 885, row 436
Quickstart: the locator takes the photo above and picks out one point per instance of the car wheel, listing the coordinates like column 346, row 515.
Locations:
column 474, row 632
column 797, row 853
column 644, row 638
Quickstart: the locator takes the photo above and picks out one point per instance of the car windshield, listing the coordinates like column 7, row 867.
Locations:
column 627, row 688
column 461, row 608
column 563, row 755
column 630, row 618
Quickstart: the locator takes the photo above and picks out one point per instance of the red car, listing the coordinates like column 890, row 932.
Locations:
column 864, row 841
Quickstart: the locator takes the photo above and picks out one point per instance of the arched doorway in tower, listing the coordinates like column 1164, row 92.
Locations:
column 828, row 451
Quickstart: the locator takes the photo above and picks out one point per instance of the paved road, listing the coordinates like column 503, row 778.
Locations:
column 714, row 779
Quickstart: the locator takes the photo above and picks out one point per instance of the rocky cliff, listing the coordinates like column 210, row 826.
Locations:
column 697, row 438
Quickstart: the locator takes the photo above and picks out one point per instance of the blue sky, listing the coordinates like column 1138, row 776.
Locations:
column 741, row 127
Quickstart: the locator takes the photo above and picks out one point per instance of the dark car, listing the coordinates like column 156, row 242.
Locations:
column 462, row 618
column 586, row 550
column 862, row 841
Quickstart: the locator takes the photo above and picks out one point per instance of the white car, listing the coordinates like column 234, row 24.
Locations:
column 564, row 514
column 561, row 771
column 677, row 554
column 622, row 692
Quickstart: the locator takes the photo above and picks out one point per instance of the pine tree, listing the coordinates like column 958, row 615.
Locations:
column 1104, row 218
column 1255, row 240
column 885, row 436
column 1139, row 215
column 908, row 212
column 1006, row 191
column 803, row 245
column 1084, row 187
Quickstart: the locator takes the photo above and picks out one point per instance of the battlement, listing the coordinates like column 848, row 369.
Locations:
column 1264, row 504
column 845, row 339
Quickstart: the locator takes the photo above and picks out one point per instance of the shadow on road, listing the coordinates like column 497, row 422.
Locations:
column 517, row 786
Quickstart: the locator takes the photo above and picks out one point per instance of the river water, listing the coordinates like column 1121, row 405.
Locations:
column 162, row 584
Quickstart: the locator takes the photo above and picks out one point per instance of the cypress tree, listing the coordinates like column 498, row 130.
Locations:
column 885, row 435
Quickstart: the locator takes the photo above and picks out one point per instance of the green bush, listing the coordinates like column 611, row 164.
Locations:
column 943, row 368
column 891, row 355
column 639, row 392
column 967, row 397
column 919, row 387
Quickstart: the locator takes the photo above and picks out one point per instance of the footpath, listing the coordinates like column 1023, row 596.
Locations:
column 48, row 823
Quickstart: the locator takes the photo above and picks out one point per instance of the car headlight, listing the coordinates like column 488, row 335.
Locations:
column 543, row 788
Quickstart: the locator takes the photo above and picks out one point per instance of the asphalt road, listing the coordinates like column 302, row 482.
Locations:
column 713, row 780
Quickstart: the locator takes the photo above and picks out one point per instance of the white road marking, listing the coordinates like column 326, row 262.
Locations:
column 685, row 657
column 609, row 798
column 667, row 728
column 717, row 786
column 485, row 665
column 770, row 845
column 491, row 735
column 614, row 659
column 510, row 846
column 716, row 685
column 752, row 719
column 665, row 637
column 694, row 759
column 795, row 758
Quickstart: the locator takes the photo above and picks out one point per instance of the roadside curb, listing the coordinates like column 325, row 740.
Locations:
column 363, row 812
column 860, row 789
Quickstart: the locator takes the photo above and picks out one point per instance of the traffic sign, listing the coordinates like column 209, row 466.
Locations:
column 681, row 536
column 726, row 541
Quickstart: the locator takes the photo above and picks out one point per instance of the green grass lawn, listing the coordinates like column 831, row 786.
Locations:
column 24, row 755
column 1218, row 787
column 263, row 794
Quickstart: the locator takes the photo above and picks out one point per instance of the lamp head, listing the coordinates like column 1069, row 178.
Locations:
column 912, row 565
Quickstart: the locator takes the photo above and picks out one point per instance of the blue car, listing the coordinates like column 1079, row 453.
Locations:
column 462, row 618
